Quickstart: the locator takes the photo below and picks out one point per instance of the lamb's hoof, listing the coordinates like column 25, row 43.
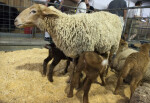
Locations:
column 113, row 70
column 68, row 81
column 64, row 73
column 115, row 92
column 50, row 79
column 103, row 84
column 78, row 88
column 43, row 74
column 70, row 95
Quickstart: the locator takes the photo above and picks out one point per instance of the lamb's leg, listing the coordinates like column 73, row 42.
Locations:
column 52, row 66
column 119, row 82
column 109, row 61
column 102, row 78
column 75, row 61
column 86, row 87
column 66, row 69
column 46, row 62
column 136, row 78
column 75, row 81
column 123, row 75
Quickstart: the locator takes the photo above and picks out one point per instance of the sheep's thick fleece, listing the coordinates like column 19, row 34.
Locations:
column 120, row 58
column 100, row 31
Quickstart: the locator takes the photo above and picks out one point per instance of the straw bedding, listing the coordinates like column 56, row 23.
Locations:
column 21, row 82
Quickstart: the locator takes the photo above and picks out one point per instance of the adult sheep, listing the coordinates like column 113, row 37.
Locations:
column 123, row 52
column 73, row 34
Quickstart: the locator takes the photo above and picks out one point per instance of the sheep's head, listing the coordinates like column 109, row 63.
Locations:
column 123, row 45
column 31, row 16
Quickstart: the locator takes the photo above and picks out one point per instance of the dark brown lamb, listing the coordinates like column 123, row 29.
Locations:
column 57, row 55
column 92, row 65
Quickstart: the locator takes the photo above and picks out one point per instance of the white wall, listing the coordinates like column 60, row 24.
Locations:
column 130, row 3
column 146, row 11
column 103, row 4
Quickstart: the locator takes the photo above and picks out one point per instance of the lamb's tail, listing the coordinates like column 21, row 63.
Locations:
column 105, row 62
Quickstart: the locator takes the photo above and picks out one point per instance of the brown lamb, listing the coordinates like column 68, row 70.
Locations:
column 92, row 65
column 135, row 65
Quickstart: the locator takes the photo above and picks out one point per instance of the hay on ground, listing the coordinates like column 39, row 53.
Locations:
column 21, row 82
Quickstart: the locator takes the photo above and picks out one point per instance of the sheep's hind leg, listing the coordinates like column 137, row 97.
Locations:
column 52, row 66
column 45, row 64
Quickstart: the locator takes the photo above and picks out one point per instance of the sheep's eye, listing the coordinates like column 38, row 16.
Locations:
column 33, row 11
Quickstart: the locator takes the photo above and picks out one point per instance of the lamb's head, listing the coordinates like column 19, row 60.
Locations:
column 145, row 47
column 123, row 45
column 31, row 16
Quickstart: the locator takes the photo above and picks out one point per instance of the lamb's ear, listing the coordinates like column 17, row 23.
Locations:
column 48, row 11
column 123, row 42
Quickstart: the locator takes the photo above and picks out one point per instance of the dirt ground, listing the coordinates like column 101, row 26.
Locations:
column 21, row 82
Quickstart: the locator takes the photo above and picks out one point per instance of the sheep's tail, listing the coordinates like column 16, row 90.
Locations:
column 105, row 62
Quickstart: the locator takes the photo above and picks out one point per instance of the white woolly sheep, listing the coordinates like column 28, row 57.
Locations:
column 73, row 34
column 123, row 52
column 136, row 65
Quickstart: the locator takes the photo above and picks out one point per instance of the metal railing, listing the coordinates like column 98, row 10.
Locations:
column 8, row 30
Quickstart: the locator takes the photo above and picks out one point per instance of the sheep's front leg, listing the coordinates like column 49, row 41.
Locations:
column 46, row 62
column 52, row 66
column 87, row 86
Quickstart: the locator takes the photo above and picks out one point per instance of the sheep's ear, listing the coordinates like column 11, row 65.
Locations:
column 48, row 11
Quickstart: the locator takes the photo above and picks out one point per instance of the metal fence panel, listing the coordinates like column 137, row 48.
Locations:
column 10, row 35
